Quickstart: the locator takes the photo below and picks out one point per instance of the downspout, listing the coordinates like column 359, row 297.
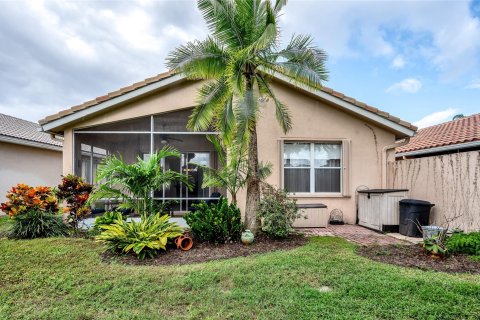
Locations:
column 384, row 158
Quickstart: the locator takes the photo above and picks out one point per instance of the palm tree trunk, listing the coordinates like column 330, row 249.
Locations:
column 253, row 184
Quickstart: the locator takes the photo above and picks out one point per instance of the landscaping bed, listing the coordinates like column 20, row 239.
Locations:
column 205, row 251
column 413, row 256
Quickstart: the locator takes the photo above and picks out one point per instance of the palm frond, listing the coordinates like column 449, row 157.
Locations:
column 211, row 96
column 281, row 110
column 198, row 59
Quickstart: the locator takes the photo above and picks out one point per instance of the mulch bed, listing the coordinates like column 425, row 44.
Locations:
column 202, row 252
column 413, row 256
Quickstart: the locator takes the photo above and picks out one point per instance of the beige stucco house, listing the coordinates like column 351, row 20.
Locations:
column 27, row 155
column 337, row 144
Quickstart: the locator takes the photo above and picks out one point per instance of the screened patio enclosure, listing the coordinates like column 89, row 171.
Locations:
column 143, row 136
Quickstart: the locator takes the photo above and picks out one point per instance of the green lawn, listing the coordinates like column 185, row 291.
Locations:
column 4, row 225
column 65, row 279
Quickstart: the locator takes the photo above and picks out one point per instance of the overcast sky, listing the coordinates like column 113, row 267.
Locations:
column 417, row 60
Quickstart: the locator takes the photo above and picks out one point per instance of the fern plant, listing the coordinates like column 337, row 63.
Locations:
column 146, row 238
column 467, row 243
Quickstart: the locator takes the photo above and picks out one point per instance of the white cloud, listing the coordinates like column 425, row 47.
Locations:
column 475, row 84
column 436, row 118
column 409, row 85
column 398, row 62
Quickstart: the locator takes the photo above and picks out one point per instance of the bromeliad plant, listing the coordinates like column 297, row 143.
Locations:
column 134, row 183
column 238, row 60
column 145, row 239
column 75, row 192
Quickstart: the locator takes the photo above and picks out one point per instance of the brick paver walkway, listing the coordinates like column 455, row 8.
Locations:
column 353, row 233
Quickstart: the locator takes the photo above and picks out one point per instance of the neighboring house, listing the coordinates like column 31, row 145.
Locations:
column 337, row 144
column 459, row 135
column 27, row 155
column 441, row 164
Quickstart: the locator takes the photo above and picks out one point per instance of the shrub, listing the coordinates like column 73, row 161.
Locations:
column 108, row 218
column 37, row 224
column 145, row 238
column 75, row 192
column 23, row 198
column 215, row 222
column 278, row 212
column 468, row 243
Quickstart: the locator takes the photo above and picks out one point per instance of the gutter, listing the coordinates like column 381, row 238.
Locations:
column 452, row 147
column 384, row 158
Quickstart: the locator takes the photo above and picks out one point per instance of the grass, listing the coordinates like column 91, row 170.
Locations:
column 5, row 222
column 66, row 279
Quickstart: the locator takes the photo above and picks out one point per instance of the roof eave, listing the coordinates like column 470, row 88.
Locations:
column 54, row 125
column 30, row 143
column 448, row 148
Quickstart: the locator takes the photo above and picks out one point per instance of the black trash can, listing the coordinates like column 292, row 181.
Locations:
column 413, row 214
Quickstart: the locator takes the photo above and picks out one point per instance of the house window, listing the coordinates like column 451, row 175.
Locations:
column 312, row 167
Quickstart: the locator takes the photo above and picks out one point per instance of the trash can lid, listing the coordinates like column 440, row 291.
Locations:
column 416, row 202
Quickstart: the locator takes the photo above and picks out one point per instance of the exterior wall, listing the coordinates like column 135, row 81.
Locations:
column 30, row 165
column 312, row 120
column 451, row 182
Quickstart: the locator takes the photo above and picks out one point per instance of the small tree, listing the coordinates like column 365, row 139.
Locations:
column 135, row 183
column 75, row 192
column 232, row 173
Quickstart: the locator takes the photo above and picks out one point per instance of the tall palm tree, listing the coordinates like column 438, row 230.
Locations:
column 238, row 60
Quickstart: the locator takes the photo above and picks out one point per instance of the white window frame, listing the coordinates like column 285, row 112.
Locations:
column 312, row 168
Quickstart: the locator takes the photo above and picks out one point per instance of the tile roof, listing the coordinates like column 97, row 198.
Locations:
column 449, row 133
column 168, row 74
column 22, row 129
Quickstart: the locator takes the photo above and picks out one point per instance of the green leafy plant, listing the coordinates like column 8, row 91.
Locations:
column 145, row 238
column 237, row 61
column 278, row 212
column 134, row 183
column 467, row 243
column 75, row 192
column 435, row 246
column 108, row 218
column 37, row 224
column 215, row 222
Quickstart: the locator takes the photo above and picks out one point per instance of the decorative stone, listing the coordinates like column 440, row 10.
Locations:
column 247, row 237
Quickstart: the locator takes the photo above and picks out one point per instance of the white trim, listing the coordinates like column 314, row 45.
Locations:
column 439, row 149
column 111, row 102
column 349, row 106
column 29, row 143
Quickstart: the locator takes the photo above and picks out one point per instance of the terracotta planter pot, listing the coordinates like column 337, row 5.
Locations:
column 184, row 243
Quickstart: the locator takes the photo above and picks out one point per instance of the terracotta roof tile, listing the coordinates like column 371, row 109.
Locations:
column 164, row 75
column 22, row 129
column 449, row 133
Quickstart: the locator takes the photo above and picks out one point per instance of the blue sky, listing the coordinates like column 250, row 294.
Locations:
column 419, row 60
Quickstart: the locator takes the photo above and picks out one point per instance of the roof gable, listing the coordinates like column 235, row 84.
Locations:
column 99, row 104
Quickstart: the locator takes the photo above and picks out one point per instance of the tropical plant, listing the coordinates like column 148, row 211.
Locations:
column 22, row 198
column 108, row 218
column 232, row 172
column 134, row 183
column 215, row 222
column 238, row 60
column 278, row 212
column 75, row 192
column 145, row 238
column 435, row 246
column 467, row 243
column 37, row 223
